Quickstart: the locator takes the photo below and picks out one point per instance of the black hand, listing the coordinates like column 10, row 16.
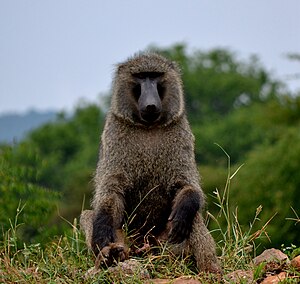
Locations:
column 182, row 218
column 103, row 232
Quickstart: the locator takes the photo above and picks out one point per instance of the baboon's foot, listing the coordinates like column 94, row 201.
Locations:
column 110, row 254
column 214, row 268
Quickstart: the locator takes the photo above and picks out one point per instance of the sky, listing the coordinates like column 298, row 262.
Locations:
column 56, row 53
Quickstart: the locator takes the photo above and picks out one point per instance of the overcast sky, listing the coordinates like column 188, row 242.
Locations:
column 54, row 52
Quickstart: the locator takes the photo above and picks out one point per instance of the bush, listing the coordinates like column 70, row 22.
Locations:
column 270, row 178
column 19, row 192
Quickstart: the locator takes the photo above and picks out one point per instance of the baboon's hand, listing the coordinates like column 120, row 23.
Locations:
column 114, row 252
column 103, row 231
column 182, row 218
column 181, row 225
column 186, row 204
column 103, row 235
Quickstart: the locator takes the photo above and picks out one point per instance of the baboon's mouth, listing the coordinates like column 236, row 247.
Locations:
column 150, row 117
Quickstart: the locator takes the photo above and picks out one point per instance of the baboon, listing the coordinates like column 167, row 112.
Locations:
column 147, row 174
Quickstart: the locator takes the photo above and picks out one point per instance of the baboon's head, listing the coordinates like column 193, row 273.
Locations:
column 147, row 91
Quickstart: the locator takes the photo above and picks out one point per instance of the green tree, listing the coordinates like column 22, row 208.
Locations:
column 50, row 172
column 69, row 151
column 216, row 82
column 270, row 177
column 18, row 188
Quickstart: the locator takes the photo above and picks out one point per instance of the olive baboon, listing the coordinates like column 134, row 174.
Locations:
column 147, row 168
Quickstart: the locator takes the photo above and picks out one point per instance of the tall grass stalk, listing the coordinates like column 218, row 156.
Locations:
column 237, row 244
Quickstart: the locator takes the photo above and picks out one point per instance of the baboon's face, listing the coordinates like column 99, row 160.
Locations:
column 148, row 91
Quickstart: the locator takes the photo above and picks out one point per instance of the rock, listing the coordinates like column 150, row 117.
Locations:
column 274, row 279
column 130, row 267
column 296, row 262
column 271, row 255
column 239, row 276
column 91, row 272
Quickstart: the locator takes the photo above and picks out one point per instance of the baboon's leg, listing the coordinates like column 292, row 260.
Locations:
column 86, row 224
column 202, row 247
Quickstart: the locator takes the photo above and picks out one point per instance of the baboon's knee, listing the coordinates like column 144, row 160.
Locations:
column 203, row 247
column 86, row 224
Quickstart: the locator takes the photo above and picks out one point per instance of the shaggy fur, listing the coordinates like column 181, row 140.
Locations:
column 147, row 175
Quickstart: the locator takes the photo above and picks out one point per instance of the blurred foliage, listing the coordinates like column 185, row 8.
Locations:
column 235, row 103
column 19, row 189
column 216, row 82
column 271, row 178
column 60, row 156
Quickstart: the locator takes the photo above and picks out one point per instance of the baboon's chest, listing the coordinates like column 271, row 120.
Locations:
column 151, row 157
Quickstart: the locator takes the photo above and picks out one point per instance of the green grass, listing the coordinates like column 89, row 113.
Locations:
column 67, row 260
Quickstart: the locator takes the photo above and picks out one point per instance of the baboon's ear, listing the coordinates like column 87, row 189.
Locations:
column 119, row 68
column 175, row 67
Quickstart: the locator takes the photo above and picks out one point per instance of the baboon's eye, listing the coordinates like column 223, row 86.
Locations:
column 150, row 75
column 136, row 91
column 161, row 90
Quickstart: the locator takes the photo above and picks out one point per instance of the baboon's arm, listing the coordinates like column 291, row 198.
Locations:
column 185, row 206
column 103, row 230
column 108, row 204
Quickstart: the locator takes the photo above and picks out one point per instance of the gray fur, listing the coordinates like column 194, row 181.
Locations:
column 149, row 170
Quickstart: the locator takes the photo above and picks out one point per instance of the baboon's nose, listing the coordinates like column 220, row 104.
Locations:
column 150, row 113
column 151, row 108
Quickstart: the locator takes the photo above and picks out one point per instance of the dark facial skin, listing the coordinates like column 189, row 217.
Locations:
column 148, row 93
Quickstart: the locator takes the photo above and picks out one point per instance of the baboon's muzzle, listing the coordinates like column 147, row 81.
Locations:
column 149, row 102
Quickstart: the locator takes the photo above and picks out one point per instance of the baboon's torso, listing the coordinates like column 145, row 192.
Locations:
column 151, row 160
